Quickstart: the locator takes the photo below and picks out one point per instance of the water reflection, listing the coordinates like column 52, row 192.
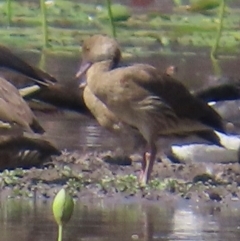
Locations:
column 27, row 220
column 76, row 132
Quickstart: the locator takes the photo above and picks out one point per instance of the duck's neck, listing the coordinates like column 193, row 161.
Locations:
column 100, row 67
column 97, row 76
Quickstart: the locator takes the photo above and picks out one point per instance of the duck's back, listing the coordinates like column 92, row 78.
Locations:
column 14, row 109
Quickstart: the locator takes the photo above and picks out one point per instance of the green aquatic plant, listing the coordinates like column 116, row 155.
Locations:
column 119, row 13
column 145, row 31
column 160, row 184
column 177, row 2
column 219, row 32
column 44, row 23
column 216, row 67
column 42, row 62
column 11, row 177
column 112, row 24
column 203, row 5
column 62, row 207
column 127, row 183
column 9, row 12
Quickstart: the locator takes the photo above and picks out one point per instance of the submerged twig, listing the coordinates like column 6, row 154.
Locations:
column 42, row 62
column 216, row 67
column 219, row 32
column 110, row 15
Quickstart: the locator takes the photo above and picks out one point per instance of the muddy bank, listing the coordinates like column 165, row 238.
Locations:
column 98, row 175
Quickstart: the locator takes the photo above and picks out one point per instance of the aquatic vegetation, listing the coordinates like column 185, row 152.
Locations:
column 121, row 184
column 219, row 32
column 66, row 23
column 111, row 18
column 168, row 184
column 62, row 207
column 178, row 2
column 9, row 12
column 44, row 23
column 11, row 178
column 127, row 183
column 203, row 5
column 118, row 12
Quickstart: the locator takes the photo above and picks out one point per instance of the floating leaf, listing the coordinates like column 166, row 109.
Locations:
column 203, row 5
column 177, row 2
column 119, row 13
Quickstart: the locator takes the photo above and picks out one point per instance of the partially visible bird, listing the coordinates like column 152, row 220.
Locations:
column 20, row 139
column 220, row 90
column 25, row 150
column 21, row 144
column 15, row 111
column 45, row 87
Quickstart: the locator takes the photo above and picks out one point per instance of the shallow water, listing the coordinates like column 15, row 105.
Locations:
column 26, row 220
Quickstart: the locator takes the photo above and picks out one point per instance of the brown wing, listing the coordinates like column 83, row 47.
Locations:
column 177, row 96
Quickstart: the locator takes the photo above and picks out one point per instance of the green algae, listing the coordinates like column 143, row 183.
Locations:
column 68, row 23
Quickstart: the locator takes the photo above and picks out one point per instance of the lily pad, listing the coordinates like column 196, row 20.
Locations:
column 203, row 5
column 119, row 12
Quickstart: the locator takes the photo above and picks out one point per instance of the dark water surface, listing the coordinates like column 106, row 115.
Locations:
column 28, row 221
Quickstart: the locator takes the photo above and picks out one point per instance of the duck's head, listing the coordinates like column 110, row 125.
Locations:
column 98, row 48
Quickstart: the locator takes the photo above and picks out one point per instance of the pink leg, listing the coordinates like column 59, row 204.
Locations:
column 147, row 165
